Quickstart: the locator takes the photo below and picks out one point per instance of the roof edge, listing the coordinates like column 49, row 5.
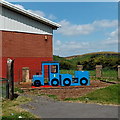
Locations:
column 30, row 14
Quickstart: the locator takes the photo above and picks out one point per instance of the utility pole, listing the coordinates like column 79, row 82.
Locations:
column 10, row 77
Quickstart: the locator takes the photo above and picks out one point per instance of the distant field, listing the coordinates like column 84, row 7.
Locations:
column 106, row 73
column 94, row 53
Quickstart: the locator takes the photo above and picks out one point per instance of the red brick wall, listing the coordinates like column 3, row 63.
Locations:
column 28, row 50
column 26, row 45
column 34, row 64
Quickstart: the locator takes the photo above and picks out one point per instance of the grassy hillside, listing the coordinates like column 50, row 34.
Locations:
column 95, row 53
column 109, row 60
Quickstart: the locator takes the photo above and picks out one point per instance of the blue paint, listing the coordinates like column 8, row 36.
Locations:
column 55, row 78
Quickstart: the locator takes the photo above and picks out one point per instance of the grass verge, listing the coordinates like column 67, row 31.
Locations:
column 52, row 96
column 18, row 90
column 11, row 109
column 108, row 95
column 49, row 95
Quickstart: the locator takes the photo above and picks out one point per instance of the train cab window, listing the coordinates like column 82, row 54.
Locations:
column 54, row 69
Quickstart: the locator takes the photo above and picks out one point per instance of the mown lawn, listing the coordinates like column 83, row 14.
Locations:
column 108, row 95
column 110, row 75
column 12, row 111
column 67, row 72
column 106, row 73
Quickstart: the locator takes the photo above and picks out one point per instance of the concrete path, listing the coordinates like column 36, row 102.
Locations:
column 45, row 107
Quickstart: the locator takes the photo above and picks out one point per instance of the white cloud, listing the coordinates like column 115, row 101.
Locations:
column 19, row 6
column 52, row 17
column 69, row 29
column 58, row 42
column 38, row 12
column 112, row 38
column 69, row 48
column 105, row 23
column 114, row 33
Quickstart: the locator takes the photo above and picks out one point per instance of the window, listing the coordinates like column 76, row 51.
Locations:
column 54, row 69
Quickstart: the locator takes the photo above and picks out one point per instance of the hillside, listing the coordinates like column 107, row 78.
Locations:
column 109, row 60
column 95, row 53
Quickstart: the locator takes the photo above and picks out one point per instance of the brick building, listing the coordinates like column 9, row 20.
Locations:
column 26, row 37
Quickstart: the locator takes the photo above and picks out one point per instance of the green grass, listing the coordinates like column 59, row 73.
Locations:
column 11, row 109
column 16, row 89
column 92, row 73
column 52, row 96
column 16, row 116
column 67, row 72
column 82, row 58
column 105, row 73
column 49, row 95
column 41, row 94
column 3, row 90
column 108, row 95
column 110, row 75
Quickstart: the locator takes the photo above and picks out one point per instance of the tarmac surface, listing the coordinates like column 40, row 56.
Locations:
column 45, row 107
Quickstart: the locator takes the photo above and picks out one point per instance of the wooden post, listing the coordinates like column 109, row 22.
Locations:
column 25, row 74
column 80, row 67
column 118, row 71
column 98, row 70
column 10, row 77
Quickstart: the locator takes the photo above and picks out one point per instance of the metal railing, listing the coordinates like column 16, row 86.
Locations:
column 4, row 88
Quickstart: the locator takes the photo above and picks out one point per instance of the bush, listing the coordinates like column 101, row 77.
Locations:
column 67, row 65
column 89, row 61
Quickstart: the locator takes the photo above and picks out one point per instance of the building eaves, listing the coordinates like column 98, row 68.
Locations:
column 30, row 14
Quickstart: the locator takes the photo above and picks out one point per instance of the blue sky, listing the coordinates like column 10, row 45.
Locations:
column 86, row 26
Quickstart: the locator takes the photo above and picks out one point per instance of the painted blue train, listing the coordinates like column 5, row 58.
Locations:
column 56, row 79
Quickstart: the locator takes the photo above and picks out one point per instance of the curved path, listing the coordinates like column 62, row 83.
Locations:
column 45, row 107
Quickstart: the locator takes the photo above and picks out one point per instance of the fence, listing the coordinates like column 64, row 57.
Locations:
column 108, row 74
column 4, row 88
column 98, row 73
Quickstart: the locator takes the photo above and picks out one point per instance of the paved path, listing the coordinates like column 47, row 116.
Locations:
column 48, row 108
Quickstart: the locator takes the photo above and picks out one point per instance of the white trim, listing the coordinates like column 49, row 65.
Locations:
column 30, row 14
column 9, row 30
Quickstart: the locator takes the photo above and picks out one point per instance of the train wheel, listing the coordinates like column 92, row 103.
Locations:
column 67, row 82
column 54, row 82
column 83, row 81
column 37, row 83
